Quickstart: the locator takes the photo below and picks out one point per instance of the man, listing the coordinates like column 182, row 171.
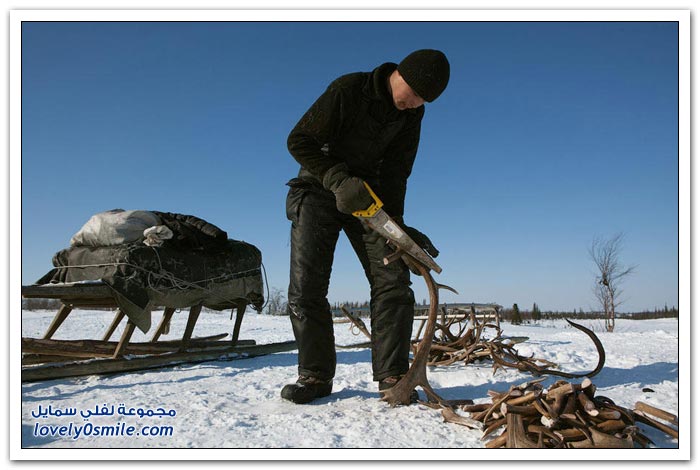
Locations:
column 364, row 128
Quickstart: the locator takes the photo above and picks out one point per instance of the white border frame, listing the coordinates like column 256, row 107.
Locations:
column 16, row 18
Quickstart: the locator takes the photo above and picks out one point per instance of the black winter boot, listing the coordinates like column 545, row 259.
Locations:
column 387, row 383
column 306, row 389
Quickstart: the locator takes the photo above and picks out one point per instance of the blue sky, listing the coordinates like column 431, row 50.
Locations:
column 548, row 135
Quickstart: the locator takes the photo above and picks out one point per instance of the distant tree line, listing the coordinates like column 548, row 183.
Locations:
column 351, row 305
column 277, row 305
column 517, row 316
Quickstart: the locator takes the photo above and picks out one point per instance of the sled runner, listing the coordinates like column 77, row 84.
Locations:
column 47, row 358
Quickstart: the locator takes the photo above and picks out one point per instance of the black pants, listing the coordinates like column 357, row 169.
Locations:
column 316, row 226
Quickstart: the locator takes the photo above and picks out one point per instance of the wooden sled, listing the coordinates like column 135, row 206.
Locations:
column 46, row 358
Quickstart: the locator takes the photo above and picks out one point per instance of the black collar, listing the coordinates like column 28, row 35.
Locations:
column 376, row 87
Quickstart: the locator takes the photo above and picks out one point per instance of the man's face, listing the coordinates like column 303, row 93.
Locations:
column 404, row 96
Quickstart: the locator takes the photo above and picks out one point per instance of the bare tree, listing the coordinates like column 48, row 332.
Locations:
column 276, row 302
column 605, row 253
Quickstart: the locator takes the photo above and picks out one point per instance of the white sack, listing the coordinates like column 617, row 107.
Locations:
column 155, row 236
column 114, row 228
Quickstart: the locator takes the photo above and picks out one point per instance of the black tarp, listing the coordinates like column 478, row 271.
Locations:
column 219, row 276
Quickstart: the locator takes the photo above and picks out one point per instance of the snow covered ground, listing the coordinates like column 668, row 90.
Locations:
column 236, row 404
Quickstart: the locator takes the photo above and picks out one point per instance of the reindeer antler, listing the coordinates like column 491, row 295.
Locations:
column 400, row 393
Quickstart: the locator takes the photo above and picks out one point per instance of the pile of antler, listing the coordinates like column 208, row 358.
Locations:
column 468, row 345
column 565, row 415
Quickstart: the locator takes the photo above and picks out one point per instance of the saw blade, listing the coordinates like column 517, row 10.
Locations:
column 381, row 223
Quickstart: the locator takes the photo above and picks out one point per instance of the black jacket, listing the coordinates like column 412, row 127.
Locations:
column 356, row 122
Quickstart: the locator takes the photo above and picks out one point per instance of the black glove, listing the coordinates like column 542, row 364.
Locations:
column 351, row 195
column 419, row 237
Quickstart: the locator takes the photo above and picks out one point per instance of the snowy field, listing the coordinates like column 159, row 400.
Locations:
column 236, row 404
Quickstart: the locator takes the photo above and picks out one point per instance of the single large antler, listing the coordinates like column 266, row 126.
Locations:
column 400, row 393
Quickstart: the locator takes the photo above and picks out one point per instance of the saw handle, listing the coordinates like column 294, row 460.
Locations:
column 373, row 208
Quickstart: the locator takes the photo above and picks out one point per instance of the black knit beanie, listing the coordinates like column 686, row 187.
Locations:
column 427, row 72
